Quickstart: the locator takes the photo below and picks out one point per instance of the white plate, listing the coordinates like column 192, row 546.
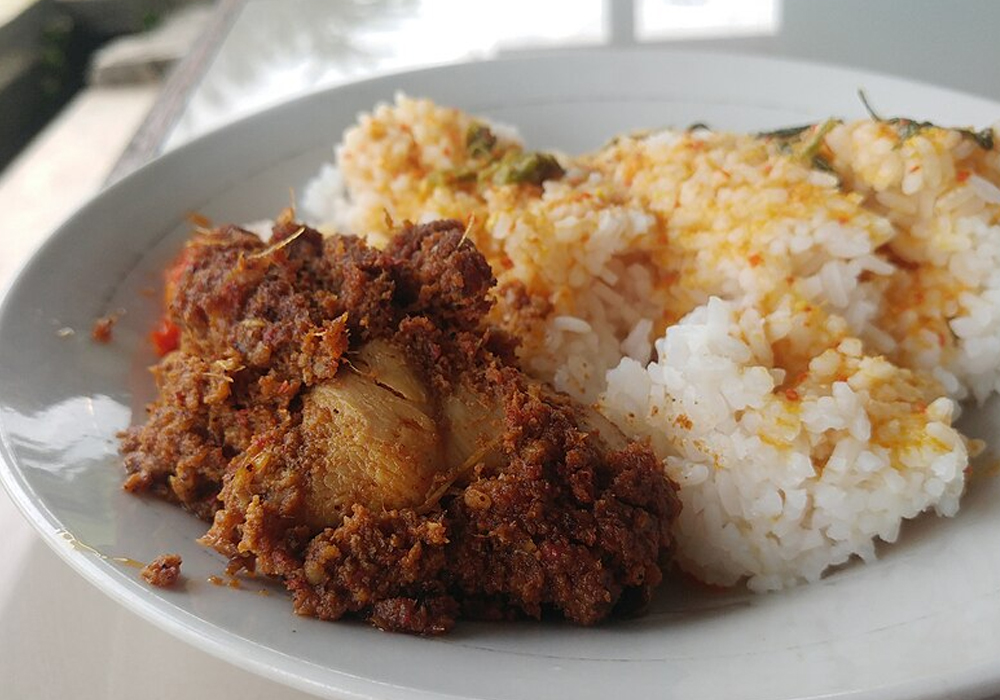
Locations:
column 922, row 622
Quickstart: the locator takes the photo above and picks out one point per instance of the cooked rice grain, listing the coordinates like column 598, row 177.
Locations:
column 782, row 478
column 830, row 317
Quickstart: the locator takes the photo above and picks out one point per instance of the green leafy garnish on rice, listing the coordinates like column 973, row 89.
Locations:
column 906, row 128
column 789, row 132
column 480, row 141
column 804, row 142
column 531, row 168
column 492, row 162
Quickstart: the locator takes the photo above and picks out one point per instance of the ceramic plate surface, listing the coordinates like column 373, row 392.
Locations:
column 922, row 622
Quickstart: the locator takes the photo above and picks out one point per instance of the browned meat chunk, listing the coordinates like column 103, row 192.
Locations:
column 351, row 424
column 162, row 572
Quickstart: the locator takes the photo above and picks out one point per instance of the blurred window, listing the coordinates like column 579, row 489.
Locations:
column 657, row 20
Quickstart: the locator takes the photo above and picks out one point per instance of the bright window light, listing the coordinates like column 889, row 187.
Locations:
column 657, row 20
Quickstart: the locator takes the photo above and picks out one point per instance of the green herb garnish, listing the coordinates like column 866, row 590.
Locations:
column 480, row 141
column 492, row 162
column 531, row 168
column 907, row 128
column 792, row 142
column 812, row 146
column 983, row 137
column 820, row 163
column 789, row 132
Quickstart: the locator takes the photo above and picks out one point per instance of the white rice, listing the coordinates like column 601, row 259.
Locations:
column 939, row 190
column 791, row 341
column 779, row 486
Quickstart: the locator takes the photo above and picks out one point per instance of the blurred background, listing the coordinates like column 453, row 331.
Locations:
column 251, row 53
column 91, row 89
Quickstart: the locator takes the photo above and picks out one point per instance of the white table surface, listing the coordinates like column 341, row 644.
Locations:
column 60, row 637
